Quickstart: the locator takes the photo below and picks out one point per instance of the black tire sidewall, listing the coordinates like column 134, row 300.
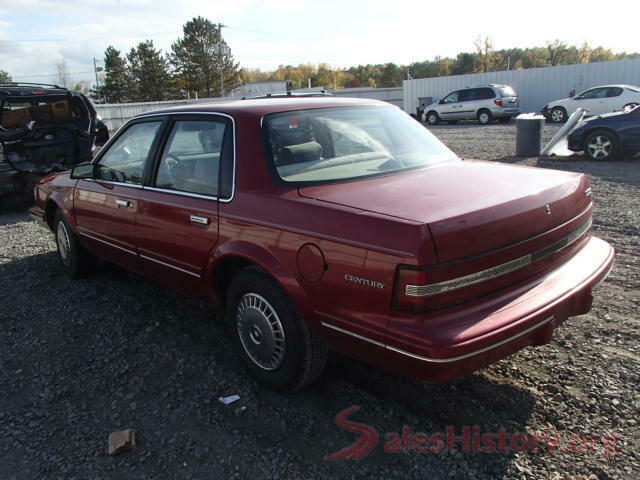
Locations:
column 559, row 109
column 489, row 115
column 74, row 268
column 287, row 375
column 436, row 117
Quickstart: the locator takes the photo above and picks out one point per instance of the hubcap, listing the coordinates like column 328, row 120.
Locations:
column 599, row 147
column 432, row 119
column 261, row 332
column 484, row 118
column 64, row 245
column 557, row 115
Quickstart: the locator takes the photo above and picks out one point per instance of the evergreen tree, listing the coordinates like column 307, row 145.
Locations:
column 149, row 73
column 197, row 58
column 116, row 88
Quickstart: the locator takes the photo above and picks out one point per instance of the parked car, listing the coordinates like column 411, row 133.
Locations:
column 606, row 137
column 484, row 103
column 597, row 100
column 334, row 223
column 44, row 128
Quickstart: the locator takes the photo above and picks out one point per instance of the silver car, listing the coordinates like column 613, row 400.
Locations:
column 482, row 103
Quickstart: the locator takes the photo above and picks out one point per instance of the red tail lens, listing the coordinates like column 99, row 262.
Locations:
column 498, row 102
column 408, row 303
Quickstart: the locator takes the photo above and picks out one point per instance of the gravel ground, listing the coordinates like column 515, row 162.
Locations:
column 80, row 359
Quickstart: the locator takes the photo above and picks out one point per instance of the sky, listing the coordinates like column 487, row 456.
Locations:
column 35, row 34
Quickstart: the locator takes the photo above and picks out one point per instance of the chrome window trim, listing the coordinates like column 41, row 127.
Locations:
column 132, row 252
column 197, row 275
column 440, row 360
column 497, row 271
column 233, row 175
column 111, row 182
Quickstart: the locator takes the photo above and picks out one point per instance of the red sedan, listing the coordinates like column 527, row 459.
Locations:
column 333, row 223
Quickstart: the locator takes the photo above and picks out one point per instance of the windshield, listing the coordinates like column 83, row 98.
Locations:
column 339, row 144
column 507, row 91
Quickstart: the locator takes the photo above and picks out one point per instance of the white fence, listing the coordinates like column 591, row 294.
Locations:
column 116, row 114
column 535, row 86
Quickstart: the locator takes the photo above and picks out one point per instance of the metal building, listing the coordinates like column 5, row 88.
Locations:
column 536, row 86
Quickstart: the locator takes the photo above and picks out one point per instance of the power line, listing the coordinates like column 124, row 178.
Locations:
column 48, row 74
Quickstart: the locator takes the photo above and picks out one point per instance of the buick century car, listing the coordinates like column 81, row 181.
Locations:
column 334, row 223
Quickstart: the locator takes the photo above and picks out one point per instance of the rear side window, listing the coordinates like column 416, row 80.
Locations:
column 507, row 91
column 192, row 157
column 614, row 92
column 484, row 94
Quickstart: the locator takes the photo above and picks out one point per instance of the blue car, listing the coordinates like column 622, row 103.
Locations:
column 606, row 137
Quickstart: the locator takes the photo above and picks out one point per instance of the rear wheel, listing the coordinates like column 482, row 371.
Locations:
column 484, row 117
column 433, row 118
column 76, row 261
column 558, row 115
column 273, row 340
column 601, row 145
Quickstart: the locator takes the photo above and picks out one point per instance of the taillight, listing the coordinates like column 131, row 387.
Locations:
column 408, row 277
column 419, row 290
column 48, row 179
column 498, row 102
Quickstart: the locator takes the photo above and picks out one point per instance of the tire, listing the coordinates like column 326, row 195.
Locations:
column 601, row 145
column 504, row 119
column 484, row 117
column 274, row 342
column 452, row 122
column 76, row 261
column 558, row 115
column 433, row 118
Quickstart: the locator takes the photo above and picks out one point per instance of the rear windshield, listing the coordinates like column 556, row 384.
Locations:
column 507, row 91
column 339, row 144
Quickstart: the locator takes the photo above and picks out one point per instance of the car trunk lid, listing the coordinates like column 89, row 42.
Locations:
column 470, row 207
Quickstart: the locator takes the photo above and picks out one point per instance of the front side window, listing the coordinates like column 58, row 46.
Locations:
column 339, row 144
column 452, row 97
column 593, row 93
column 191, row 160
column 126, row 158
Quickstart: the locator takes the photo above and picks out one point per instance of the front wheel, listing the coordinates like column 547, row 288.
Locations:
column 76, row 261
column 558, row 115
column 433, row 118
column 273, row 341
column 601, row 145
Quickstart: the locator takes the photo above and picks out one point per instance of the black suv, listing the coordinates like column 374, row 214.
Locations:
column 43, row 129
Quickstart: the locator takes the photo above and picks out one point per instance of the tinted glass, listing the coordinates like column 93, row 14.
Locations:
column 614, row 92
column 127, row 156
column 334, row 144
column 594, row 93
column 191, row 159
column 484, row 93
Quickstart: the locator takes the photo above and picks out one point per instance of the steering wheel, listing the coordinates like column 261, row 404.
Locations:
column 176, row 169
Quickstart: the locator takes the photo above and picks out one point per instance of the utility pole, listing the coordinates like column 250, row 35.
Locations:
column 95, row 70
column 221, row 50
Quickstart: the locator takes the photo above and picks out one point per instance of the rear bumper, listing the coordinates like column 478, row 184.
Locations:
column 458, row 343
column 506, row 112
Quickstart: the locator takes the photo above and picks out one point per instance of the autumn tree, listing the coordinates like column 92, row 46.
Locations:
column 5, row 77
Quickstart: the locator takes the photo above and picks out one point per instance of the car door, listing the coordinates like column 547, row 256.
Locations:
column 105, row 207
column 613, row 100
column 450, row 106
column 177, row 222
column 470, row 103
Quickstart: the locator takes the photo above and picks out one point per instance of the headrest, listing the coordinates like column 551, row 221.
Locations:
column 301, row 153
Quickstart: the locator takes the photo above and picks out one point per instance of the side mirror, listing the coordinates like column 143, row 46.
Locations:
column 441, row 101
column 84, row 171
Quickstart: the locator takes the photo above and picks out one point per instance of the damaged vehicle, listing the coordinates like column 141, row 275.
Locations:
column 44, row 129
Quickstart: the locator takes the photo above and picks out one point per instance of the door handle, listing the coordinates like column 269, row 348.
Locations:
column 124, row 203
column 200, row 220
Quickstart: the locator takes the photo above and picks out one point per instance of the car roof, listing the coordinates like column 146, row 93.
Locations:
column 264, row 106
column 28, row 89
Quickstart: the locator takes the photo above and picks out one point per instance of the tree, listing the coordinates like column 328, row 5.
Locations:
column 197, row 59
column 149, row 73
column 484, row 54
column 62, row 77
column 557, row 51
column 117, row 84
column 5, row 77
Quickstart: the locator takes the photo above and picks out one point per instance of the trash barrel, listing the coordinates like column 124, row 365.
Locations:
column 529, row 134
